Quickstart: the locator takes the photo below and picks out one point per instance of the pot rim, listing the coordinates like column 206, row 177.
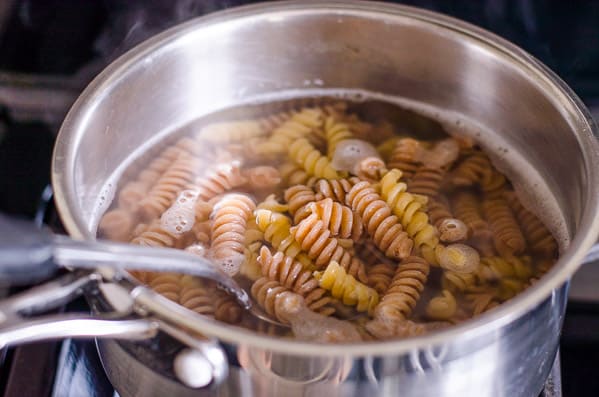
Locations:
column 568, row 263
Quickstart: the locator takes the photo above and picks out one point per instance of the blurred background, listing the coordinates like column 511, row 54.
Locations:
column 51, row 49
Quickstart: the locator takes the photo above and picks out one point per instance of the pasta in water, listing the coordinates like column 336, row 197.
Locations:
column 343, row 225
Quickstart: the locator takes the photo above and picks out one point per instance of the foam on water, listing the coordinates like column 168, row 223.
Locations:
column 180, row 217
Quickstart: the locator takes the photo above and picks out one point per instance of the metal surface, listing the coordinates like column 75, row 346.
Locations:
column 240, row 55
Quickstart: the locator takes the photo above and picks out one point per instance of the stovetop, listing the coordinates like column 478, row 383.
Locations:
column 49, row 51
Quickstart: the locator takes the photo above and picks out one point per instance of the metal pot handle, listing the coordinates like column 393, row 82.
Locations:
column 202, row 363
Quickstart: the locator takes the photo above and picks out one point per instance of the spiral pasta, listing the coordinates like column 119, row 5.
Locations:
column 116, row 225
column 426, row 181
column 276, row 229
column 335, row 132
column 298, row 197
column 538, row 237
column 339, row 219
column 471, row 170
column 293, row 174
column 344, row 286
column 335, row 189
column 299, row 126
column 507, row 236
column 306, row 155
column 292, row 275
column 496, row 268
column 315, row 239
column 380, row 276
column 230, row 217
column 175, row 179
column 404, row 157
column 467, row 208
column 404, row 291
column 442, row 307
column 384, row 227
column 195, row 296
column 225, row 177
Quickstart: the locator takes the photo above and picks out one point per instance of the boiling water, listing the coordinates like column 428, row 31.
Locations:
column 405, row 117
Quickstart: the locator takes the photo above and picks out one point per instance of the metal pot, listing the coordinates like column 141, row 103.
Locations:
column 244, row 54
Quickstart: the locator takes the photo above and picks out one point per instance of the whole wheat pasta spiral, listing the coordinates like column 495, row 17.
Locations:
column 262, row 177
column 196, row 296
column 217, row 181
column 384, row 227
column 507, row 236
column 438, row 210
column 174, row 179
column 426, row 181
column 165, row 284
column 155, row 236
column 316, row 240
column 230, row 217
column 338, row 218
column 538, row 237
column 291, row 274
column 380, row 276
column 116, row 225
column 471, row 170
column 405, row 156
column 298, row 197
column 404, row 291
column 467, row 208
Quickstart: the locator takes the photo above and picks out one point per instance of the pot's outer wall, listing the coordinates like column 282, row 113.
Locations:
column 229, row 57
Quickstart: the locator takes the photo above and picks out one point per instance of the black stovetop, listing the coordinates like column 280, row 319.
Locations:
column 64, row 43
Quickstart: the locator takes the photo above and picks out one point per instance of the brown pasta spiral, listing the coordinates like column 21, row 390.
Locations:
column 384, row 227
column 493, row 184
column 298, row 197
column 507, row 236
column 472, row 170
column 404, row 292
column 338, row 218
column 220, row 180
column 266, row 292
column 315, row 239
column 291, row 274
column 166, row 284
column 537, row 235
column 405, row 157
column 230, row 217
column 116, row 225
column 438, row 210
column 426, row 181
column 262, row 177
column 380, row 276
column 155, row 236
column 467, row 208
column 162, row 195
column 196, row 296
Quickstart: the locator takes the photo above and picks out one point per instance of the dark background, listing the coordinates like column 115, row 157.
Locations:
column 64, row 43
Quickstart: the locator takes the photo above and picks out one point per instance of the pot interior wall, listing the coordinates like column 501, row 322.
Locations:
column 174, row 80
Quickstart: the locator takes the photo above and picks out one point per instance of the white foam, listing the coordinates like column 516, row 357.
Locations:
column 180, row 217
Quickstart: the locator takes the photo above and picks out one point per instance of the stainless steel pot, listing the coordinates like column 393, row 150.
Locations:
column 242, row 54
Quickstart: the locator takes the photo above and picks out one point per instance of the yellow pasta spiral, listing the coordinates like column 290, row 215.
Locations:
column 537, row 235
column 306, row 155
column 300, row 125
column 291, row 274
column 507, row 236
column 338, row 218
column 380, row 223
column 481, row 302
column 293, row 174
column 442, row 307
column 408, row 210
column 404, row 291
column 345, row 287
column 335, row 132
column 276, row 229
column 495, row 268
column 316, row 240
column 298, row 197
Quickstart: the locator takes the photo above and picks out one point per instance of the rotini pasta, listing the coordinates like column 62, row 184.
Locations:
column 384, row 227
column 344, row 286
column 313, row 162
column 335, row 234
column 315, row 240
